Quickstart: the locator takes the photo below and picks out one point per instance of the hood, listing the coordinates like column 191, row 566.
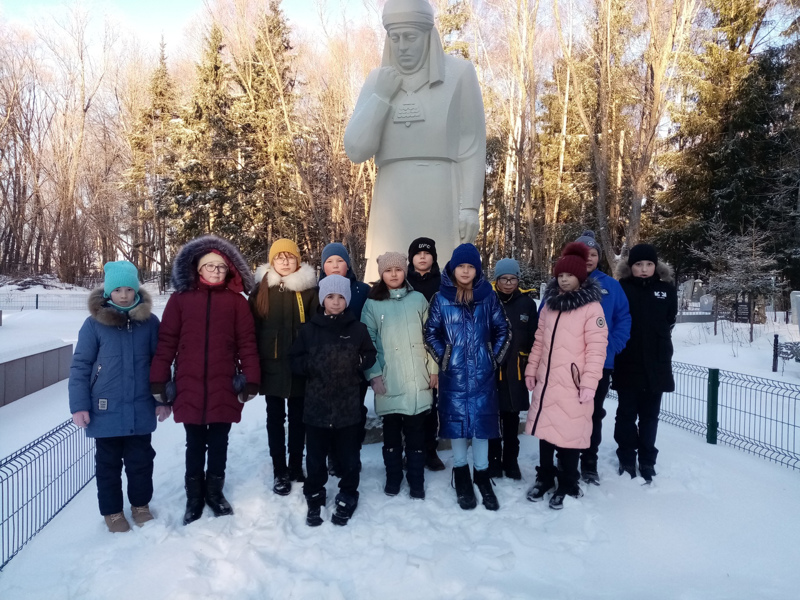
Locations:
column 480, row 287
column 303, row 279
column 184, row 269
column 664, row 271
column 590, row 291
column 108, row 315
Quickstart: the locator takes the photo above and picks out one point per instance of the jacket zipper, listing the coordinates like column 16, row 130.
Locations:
column 96, row 375
column 547, row 375
column 205, row 358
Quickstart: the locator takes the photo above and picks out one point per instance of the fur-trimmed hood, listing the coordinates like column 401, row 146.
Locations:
column 664, row 271
column 106, row 314
column 301, row 280
column 184, row 269
column 590, row 291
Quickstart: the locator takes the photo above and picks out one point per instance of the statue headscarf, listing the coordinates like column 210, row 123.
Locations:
column 419, row 14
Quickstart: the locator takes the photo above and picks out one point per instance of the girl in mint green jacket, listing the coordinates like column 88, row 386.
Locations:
column 404, row 376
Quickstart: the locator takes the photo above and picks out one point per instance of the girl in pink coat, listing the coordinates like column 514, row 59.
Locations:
column 564, row 366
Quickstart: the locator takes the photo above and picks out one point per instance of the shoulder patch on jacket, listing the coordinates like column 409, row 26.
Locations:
column 601, row 322
column 604, row 292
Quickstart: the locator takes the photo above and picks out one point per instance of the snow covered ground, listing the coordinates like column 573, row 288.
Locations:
column 716, row 523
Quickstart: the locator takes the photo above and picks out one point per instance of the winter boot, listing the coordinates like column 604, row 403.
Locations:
column 563, row 490
column 511, row 461
column 589, row 472
column 296, row 469
column 195, row 492
column 282, row 485
column 464, row 490
column 545, row 481
column 141, row 514
column 315, row 504
column 214, row 497
column 393, row 460
column 432, row 461
column 485, row 483
column 117, row 523
column 416, row 474
column 495, row 459
column 630, row 469
column 345, row 507
column 648, row 472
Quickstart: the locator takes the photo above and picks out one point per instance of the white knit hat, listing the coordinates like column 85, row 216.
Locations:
column 334, row 284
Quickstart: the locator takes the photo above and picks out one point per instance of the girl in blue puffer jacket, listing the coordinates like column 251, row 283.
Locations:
column 467, row 333
column 109, row 392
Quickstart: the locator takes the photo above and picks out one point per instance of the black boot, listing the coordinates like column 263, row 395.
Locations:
column 296, row 468
column 416, row 474
column 566, row 487
column 511, row 460
column 485, row 483
column 282, row 485
column 194, row 498
column 432, row 461
column 495, row 458
column 393, row 460
column 214, row 497
column 648, row 472
column 630, row 469
column 345, row 507
column 545, row 481
column 464, row 490
column 315, row 504
column 589, row 471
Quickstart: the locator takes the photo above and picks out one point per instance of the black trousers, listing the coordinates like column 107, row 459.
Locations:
column 646, row 406
column 136, row 453
column 589, row 455
column 432, row 425
column 567, row 462
column 508, row 442
column 201, row 438
column 362, row 389
column 345, row 445
column 413, row 427
column 276, row 436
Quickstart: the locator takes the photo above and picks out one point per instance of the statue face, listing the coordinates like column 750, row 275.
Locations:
column 409, row 47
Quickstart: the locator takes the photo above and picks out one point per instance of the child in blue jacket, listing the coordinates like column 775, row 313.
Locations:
column 109, row 392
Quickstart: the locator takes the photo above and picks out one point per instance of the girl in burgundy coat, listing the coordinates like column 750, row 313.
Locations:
column 207, row 331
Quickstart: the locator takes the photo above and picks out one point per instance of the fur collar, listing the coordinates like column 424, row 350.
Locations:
column 664, row 271
column 301, row 280
column 184, row 268
column 108, row 315
column 590, row 291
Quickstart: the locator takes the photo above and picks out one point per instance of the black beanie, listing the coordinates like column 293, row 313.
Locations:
column 642, row 252
column 422, row 244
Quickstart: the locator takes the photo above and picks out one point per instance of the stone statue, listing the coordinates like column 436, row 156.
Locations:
column 420, row 114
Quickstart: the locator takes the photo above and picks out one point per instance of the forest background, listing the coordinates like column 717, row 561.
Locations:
column 669, row 121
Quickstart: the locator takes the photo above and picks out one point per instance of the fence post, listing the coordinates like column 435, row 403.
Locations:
column 37, row 301
column 713, row 405
column 775, row 354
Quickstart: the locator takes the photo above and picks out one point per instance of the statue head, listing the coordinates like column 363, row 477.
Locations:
column 411, row 39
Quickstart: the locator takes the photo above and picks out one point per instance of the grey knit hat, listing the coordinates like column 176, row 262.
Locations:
column 506, row 266
column 587, row 237
column 388, row 260
column 334, row 284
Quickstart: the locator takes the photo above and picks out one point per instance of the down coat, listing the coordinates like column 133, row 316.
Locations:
column 293, row 300
column 467, row 342
column 524, row 319
column 110, row 367
column 395, row 326
column 567, row 355
column 207, row 331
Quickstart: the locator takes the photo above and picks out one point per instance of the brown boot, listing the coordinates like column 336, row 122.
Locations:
column 141, row 514
column 117, row 523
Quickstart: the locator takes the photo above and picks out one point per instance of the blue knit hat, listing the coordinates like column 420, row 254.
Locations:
column 120, row 274
column 466, row 254
column 334, row 284
column 506, row 266
column 588, row 238
column 336, row 249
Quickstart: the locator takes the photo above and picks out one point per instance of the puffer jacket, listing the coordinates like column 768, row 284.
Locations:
column 207, row 331
column 467, row 342
column 331, row 352
column 646, row 361
column 293, row 301
column 567, row 355
column 618, row 316
column 524, row 319
column 110, row 368
column 395, row 326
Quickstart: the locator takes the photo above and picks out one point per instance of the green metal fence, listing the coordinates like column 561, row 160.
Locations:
column 751, row 413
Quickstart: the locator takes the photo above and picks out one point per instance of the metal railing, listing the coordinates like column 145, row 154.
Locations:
column 753, row 414
column 37, row 481
column 10, row 301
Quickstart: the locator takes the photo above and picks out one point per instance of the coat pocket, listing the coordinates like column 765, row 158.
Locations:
column 576, row 376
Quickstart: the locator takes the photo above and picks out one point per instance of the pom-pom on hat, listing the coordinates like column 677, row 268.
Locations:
column 573, row 261
column 422, row 244
column 392, row 259
column 121, row 273
column 334, row 284
column 284, row 245
column 588, row 238
column 336, row 249
column 642, row 252
column 506, row 266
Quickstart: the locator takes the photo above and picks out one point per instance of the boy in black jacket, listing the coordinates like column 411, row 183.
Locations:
column 331, row 351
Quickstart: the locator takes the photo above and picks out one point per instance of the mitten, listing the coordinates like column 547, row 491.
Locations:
column 81, row 418
column 250, row 392
column 163, row 412
column 377, row 385
column 587, row 395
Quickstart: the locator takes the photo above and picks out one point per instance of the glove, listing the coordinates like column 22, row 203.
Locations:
column 377, row 385
column 434, row 382
column 163, row 412
column 81, row 418
column 250, row 391
column 587, row 395
column 530, row 382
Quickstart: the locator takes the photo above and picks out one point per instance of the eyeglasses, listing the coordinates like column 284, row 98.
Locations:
column 285, row 258
column 209, row 268
column 508, row 280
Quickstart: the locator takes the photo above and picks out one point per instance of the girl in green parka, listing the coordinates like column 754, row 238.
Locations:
column 282, row 302
column 404, row 376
